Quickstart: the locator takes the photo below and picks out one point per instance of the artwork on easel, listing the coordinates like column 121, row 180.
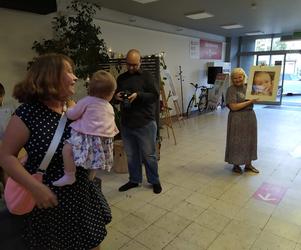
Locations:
column 167, row 78
column 263, row 83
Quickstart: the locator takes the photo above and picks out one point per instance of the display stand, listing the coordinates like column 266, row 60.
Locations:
column 166, row 115
column 166, row 76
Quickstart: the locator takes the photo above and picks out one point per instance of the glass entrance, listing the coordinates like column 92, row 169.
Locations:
column 279, row 60
column 289, row 86
column 291, row 91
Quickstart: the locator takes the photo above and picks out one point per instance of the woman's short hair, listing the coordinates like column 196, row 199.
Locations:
column 102, row 84
column 43, row 80
column 238, row 71
column 2, row 90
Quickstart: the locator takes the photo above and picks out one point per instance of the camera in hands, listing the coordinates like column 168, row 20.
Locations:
column 125, row 97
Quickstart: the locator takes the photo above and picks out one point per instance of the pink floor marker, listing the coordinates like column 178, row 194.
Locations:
column 270, row 193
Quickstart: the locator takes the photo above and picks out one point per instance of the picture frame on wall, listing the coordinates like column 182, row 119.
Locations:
column 263, row 83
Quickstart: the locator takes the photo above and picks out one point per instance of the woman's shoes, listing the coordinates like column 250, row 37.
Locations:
column 251, row 168
column 237, row 169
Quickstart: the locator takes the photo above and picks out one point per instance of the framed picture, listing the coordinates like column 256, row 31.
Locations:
column 263, row 83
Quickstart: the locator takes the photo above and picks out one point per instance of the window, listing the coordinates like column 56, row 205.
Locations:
column 263, row 44
column 285, row 45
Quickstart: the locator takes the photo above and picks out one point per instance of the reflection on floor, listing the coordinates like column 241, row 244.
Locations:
column 289, row 100
column 206, row 206
column 284, row 107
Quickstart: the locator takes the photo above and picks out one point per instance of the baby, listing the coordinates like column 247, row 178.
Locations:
column 263, row 83
column 91, row 142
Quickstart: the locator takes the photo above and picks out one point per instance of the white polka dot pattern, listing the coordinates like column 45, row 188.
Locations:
column 78, row 222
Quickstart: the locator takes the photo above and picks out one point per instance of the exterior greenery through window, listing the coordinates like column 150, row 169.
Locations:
column 264, row 44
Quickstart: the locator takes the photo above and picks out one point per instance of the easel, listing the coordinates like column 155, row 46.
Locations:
column 166, row 115
column 172, row 94
column 166, row 76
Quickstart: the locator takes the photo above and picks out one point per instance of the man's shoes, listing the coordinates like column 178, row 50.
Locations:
column 251, row 168
column 128, row 186
column 237, row 169
column 157, row 188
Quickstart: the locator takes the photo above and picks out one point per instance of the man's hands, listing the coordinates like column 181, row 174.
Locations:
column 131, row 98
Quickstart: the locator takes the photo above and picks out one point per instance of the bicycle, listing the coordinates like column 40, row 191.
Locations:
column 202, row 103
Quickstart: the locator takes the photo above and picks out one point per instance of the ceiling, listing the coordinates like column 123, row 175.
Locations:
column 268, row 16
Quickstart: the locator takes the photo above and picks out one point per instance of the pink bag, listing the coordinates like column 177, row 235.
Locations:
column 18, row 200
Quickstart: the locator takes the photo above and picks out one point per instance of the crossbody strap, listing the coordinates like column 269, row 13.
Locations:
column 54, row 143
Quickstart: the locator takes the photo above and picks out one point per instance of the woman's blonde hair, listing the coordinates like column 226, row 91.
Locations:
column 238, row 71
column 43, row 80
column 102, row 84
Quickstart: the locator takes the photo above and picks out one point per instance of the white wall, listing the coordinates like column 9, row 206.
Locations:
column 120, row 38
column 18, row 30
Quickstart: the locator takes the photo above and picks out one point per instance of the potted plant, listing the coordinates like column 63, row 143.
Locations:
column 77, row 37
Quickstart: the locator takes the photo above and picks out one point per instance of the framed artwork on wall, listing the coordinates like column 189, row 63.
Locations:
column 263, row 83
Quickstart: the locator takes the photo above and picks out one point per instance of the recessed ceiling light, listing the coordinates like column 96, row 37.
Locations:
column 254, row 33
column 232, row 26
column 145, row 1
column 199, row 15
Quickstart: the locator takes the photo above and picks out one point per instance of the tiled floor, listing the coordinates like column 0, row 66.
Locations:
column 203, row 204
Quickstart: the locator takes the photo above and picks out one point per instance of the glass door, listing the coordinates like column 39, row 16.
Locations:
column 263, row 60
column 279, row 60
column 291, row 88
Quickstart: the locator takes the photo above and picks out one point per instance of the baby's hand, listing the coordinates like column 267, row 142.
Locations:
column 70, row 103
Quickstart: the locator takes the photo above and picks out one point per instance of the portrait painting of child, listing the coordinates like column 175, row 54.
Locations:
column 263, row 83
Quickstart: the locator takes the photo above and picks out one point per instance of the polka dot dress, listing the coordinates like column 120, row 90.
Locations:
column 78, row 222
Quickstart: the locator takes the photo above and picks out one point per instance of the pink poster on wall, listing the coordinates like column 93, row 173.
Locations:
column 210, row 50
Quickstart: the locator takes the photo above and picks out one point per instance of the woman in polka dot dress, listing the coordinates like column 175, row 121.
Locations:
column 70, row 217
